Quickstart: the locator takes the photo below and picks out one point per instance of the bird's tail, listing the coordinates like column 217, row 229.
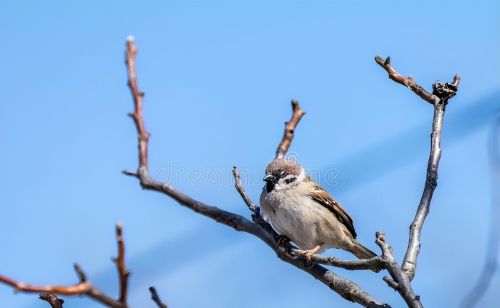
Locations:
column 361, row 251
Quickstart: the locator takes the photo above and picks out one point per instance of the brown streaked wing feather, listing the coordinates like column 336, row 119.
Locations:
column 324, row 198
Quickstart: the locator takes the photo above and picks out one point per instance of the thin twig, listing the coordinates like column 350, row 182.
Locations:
column 156, row 298
column 344, row 287
column 374, row 264
column 52, row 300
column 442, row 92
column 256, row 216
column 391, row 283
column 137, row 95
column 77, row 289
column 123, row 273
column 239, row 187
column 289, row 132
column 406, row 81
column 82, row 288
column 80, row 273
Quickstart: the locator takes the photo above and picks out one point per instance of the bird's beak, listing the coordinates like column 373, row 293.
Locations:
column 270, row 178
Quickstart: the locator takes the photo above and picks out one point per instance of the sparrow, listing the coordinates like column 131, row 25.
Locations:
column 298, row 208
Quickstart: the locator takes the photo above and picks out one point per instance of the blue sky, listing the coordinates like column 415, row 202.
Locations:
column 218, row 78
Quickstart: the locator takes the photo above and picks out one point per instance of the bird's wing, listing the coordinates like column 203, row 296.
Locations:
column 319, row 195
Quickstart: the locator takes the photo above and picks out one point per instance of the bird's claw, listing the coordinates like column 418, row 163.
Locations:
column 282, row 241
column 307, row 254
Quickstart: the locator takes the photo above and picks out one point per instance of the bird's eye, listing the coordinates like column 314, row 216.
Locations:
column 290, row 180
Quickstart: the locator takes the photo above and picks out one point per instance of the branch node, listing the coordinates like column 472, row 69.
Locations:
column 432, row 179
column 446, row 90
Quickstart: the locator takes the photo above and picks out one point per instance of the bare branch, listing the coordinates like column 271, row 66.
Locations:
column 442, row 92
column 52, row 300
column 123, row 273
column 289, row 132
column 156, row 298
column 78, row 289
column 84, row 287
column 235, row 221
column 344, row 287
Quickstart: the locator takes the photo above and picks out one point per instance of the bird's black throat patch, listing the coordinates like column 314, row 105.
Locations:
column 270, row 186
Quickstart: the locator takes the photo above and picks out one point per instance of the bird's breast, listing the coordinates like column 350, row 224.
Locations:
column 294, row 215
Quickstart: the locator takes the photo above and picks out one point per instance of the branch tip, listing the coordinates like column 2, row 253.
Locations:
column 405, row 81
column 119, row 231
column 137, row 95
column 156, row 298
column 241, row 190
column 391, row 283
column 286, row 140
column 130, row 173
column 123, row 273
column 80, row 273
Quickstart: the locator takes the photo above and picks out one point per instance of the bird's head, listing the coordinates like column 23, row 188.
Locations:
column 283, row 174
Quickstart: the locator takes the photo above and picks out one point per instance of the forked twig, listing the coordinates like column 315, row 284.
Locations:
column 441, row 93
column 84, row 287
